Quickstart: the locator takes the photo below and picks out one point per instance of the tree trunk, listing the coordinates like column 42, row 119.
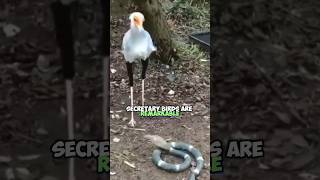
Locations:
column 156, row 25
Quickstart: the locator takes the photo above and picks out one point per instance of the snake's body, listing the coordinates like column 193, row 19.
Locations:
column 179, row 149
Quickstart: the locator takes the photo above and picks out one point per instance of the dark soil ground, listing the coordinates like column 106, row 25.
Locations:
column 190, row 84
column 266, row 86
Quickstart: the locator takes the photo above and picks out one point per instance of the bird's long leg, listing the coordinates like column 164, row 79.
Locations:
column 64, row 34
column 132, row 122
column 143, row 76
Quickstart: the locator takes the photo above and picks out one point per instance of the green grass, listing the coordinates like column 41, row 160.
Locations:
column 190, row 51
column 189, row 16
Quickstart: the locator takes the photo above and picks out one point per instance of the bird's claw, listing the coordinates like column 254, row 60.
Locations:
column 132, row 122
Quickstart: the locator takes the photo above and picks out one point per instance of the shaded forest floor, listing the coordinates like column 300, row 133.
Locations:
column 32, row 90
column 188, row 78
column 266, row 82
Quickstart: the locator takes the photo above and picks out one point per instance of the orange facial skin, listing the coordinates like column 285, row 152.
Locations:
column 138, row 21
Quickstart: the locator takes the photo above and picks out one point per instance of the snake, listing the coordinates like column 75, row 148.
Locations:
column 179, row 149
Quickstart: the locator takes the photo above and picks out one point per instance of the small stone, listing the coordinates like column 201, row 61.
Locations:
column 171, row 92
column 42, row 131
column 29, row 157
column 116, row 140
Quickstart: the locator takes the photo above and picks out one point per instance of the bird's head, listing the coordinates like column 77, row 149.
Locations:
column 137, row 20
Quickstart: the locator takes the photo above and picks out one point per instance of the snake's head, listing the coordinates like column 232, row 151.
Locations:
column 158, row 141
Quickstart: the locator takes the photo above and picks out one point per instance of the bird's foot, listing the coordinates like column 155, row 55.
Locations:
column 132, row 122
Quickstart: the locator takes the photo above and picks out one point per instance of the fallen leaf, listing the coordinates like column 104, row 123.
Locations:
column 9, row 174
column 308, row 176
column 301, row 161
